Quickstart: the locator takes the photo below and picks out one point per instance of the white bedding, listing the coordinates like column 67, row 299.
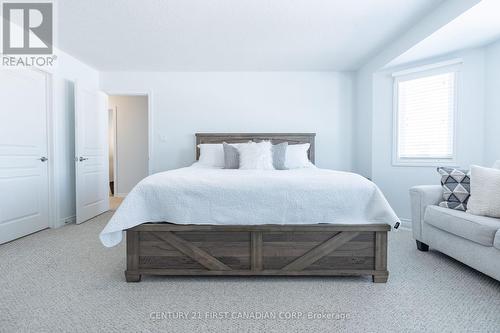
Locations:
column 203, row 195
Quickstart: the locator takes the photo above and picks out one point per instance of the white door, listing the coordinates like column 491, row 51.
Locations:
column 24, row 186
column 91, row 141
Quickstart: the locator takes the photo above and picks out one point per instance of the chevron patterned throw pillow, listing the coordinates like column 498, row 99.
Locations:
column 456, row 187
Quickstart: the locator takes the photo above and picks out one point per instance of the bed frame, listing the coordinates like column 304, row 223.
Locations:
column 291, row 250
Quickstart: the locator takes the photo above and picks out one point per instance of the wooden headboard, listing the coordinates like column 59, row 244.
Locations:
column 291, row 138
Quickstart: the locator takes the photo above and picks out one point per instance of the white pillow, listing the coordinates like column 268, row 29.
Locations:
column 296, row 156
column 256, row 155
column 484, row 192
column 211, row 154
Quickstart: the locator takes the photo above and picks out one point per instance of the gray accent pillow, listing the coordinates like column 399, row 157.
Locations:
column 279, row 155
column 456, row 188
column 231, row 156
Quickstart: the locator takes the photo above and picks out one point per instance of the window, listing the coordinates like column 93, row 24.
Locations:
column 425, row 104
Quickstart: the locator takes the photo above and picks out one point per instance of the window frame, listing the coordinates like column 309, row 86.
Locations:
column 415, row 73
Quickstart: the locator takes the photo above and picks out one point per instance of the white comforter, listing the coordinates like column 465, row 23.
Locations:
column 198, row 195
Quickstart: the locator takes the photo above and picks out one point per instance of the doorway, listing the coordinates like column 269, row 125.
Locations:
column 128, row 144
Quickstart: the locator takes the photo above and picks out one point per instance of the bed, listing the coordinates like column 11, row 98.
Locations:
column 212, row 221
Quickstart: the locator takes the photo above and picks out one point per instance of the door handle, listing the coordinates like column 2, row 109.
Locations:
column 81, row 159
column 43, row 159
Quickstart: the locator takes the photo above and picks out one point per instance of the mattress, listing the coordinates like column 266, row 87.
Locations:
column 207, row 195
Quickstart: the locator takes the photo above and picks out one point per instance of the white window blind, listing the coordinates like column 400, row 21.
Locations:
column 425, row 117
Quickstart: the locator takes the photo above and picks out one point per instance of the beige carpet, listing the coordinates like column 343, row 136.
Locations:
column 64, row 280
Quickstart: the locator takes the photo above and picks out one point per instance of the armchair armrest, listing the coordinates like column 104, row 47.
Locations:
column 422, row 196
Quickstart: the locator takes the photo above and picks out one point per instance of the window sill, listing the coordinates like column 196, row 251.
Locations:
column 425, row 163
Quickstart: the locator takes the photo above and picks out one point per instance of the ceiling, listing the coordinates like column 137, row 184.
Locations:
column 478, row 26
column 232, row 35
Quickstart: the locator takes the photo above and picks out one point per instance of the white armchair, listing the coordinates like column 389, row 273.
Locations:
column 471, row 239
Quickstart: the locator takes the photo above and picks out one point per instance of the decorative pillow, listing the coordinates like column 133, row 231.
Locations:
column 256, row 155
column 211, row 154
column 485, row 192
column 279, row 155
column 231, row 156
column 456, row 187
column 296, row 156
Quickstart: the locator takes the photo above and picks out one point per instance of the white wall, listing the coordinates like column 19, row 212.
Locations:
column 363, row 134
column 395, row 181
column 190, row 102
column 362, row 130
column 131, row 149
column 67, row 70
column 492, row 114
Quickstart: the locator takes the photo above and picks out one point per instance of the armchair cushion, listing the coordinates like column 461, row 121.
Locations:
column 478, row 229
column 485, row 192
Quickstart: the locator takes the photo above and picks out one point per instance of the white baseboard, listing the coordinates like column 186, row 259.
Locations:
column 65, row 220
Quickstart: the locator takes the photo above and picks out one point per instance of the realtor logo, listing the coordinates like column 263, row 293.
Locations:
column 27, row 28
